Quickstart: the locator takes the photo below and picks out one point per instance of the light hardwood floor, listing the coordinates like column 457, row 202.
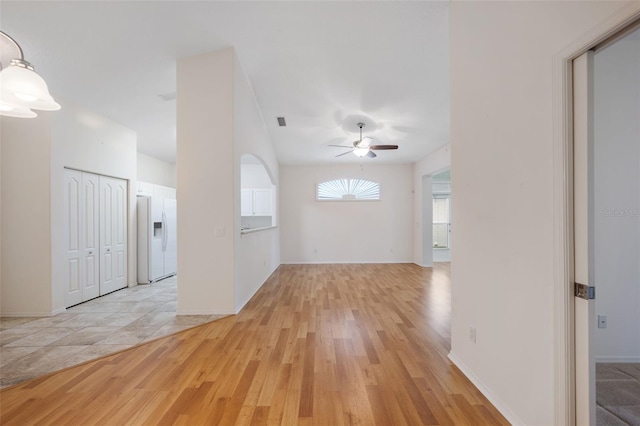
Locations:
column 318, row 344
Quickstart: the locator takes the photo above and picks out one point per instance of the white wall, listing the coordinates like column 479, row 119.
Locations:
column 156, row 171
column 34, row 154
column 257, row 254
column 26, row 220
column 206, row 172
column 83, row 140
column 254, row 176
column 502, row 131
column 346, row 231
column 433, row 163
column 617, row 199
column 218, row 122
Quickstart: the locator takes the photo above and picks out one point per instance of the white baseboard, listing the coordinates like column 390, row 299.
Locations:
column 618, row 359
column 497, row 402
column 58, row 311
column 207, row 312
column 358, row 262
column 25, row 314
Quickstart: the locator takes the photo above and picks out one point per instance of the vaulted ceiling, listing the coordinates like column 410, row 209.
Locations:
column 323, row 65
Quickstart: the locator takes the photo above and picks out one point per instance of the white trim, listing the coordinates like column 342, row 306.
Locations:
column 498, row 403
column 354, row 262
column 223, row 312
column 618, row 359
column 349, row 199
column 58, row 311
column 28, row 314
column 564, row 391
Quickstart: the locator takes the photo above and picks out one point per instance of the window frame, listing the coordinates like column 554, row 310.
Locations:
column 342, row 199
column 442, row 196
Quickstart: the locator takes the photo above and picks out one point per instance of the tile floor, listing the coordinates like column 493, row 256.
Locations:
column 31, row 347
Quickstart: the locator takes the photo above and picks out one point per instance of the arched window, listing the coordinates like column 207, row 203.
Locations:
column 348, row 189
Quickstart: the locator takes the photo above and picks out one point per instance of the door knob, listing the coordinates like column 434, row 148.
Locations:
column 108, row 249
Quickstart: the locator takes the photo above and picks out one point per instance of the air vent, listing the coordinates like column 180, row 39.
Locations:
column 170, row 96
column 281, row 122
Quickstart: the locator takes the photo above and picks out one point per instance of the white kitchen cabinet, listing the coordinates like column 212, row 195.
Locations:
column 262, row 202
column 246, row 202
column 255, row 202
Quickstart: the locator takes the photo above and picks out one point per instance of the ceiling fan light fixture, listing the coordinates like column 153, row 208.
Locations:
column 365, row 142
column 361, row 152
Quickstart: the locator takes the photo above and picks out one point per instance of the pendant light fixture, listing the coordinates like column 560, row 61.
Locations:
column 21, row 88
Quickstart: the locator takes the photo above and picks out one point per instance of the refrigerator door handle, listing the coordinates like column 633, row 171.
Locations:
column 164, row 233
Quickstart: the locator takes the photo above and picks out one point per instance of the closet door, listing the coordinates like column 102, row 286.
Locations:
column 90, row 247
column 82, row 231
column 72, row 217
column 113, row 234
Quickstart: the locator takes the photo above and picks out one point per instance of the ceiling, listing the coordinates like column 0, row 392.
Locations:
column 323, row 65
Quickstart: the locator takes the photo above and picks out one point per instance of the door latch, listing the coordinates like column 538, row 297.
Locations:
column 584, row 291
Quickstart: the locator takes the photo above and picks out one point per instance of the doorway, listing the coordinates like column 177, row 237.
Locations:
column 606, row 231
column 441, row 192
column 616, row 228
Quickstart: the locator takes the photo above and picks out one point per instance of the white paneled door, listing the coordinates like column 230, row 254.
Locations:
column 113, row 234
column 96, row 230
column 82, row 227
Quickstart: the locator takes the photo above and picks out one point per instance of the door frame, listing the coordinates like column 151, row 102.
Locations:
column 564, row 350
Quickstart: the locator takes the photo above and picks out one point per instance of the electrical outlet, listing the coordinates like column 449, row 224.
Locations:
column 602, row 321
column 220, row 231
column 472, row 334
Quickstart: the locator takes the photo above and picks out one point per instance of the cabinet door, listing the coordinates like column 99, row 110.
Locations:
column 262, row 202
column 113, row 234
column 246, row 202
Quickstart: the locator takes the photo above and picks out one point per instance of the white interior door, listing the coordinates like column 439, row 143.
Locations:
column 82, row 230
column 584, row 308
column 72, row 216
column 90, row 236
column 113, row 234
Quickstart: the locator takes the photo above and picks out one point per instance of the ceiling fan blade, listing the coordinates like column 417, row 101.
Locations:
column 383, row 147
column 342, row 146
column 344, row 153
column 371, row 154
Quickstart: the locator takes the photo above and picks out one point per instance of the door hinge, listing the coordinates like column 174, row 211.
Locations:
column 584, row 291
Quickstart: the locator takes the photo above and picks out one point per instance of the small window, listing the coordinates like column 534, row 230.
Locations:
column 441, row 221
column 348, row 190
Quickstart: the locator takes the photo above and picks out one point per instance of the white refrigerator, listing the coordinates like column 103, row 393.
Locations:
column 157, row 245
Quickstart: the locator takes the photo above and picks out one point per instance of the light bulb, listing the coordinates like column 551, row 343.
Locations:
column 361, row 152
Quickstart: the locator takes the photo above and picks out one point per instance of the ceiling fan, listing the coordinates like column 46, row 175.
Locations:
column 363, row 146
